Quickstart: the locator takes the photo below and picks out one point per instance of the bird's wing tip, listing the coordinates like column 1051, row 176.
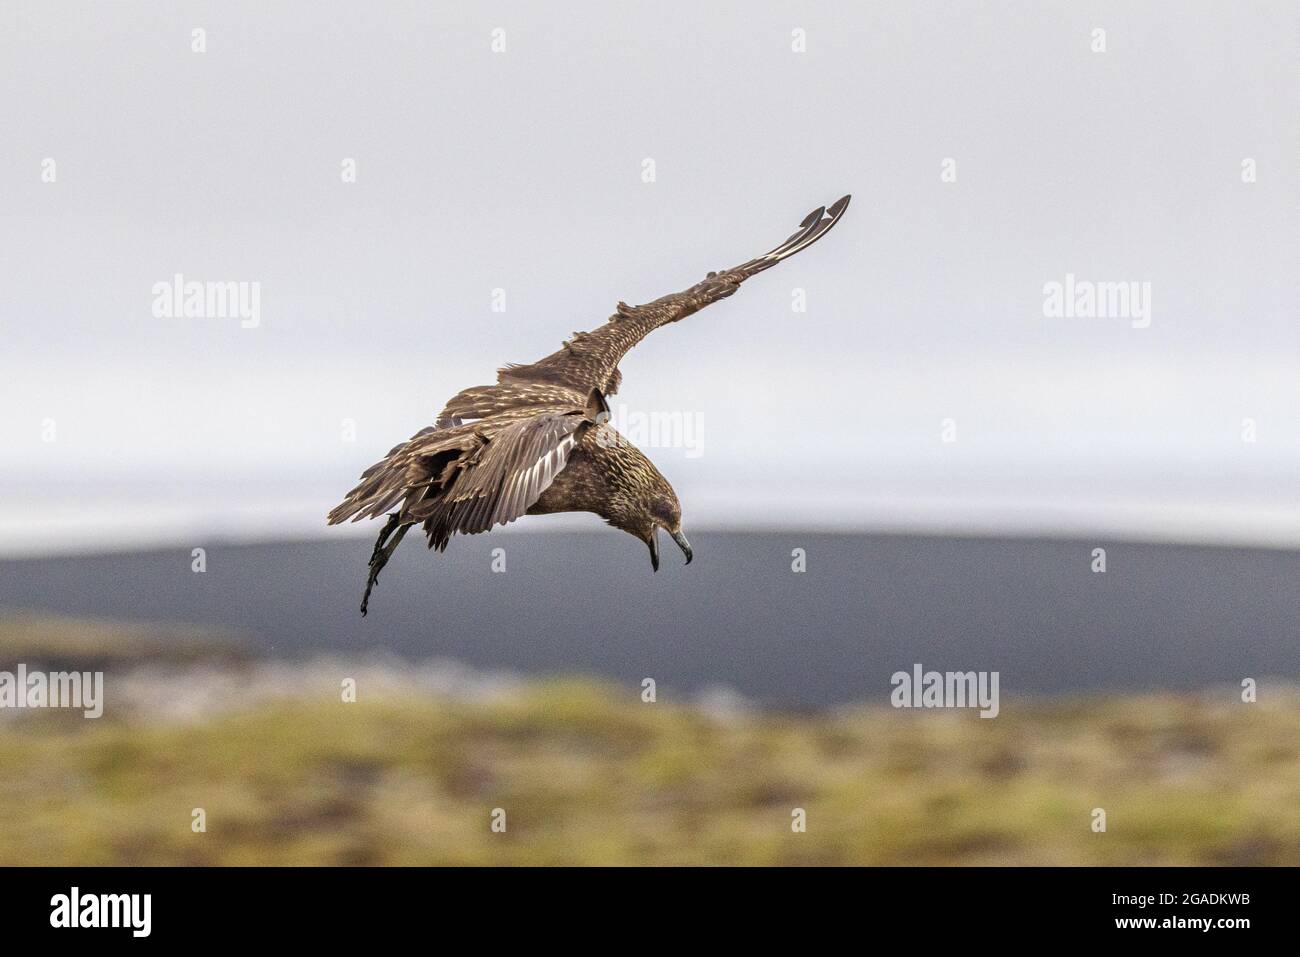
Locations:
column 813, row 217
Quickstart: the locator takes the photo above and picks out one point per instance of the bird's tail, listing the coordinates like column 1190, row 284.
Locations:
column 380, row 488
column 406, row 472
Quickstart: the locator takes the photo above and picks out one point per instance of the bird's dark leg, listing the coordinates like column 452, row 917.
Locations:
column 383, row 551
column 389, row 526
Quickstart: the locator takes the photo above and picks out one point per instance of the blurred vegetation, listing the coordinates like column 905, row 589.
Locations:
column 588, row 774
column 56, row 643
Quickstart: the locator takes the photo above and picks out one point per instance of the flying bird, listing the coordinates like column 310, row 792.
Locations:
column 539, row 440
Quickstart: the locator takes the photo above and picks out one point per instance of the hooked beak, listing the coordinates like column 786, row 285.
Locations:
column 684, row 545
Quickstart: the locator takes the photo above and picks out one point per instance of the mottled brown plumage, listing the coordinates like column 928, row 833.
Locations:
column 538, row 442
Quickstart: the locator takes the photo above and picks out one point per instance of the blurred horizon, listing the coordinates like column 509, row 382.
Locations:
column 741, row 615
column 38, row 521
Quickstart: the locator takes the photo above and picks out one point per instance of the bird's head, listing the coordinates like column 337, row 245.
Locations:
column 666, row 512
column 659, row 510
column 642, row 502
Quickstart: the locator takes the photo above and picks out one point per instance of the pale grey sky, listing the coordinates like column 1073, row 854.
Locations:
column 523, row 170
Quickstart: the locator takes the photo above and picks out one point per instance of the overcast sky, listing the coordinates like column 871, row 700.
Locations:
column 991, row 151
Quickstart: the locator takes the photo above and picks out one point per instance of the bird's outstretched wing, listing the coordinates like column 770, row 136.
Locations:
column 590, row 359
column 472, row 477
